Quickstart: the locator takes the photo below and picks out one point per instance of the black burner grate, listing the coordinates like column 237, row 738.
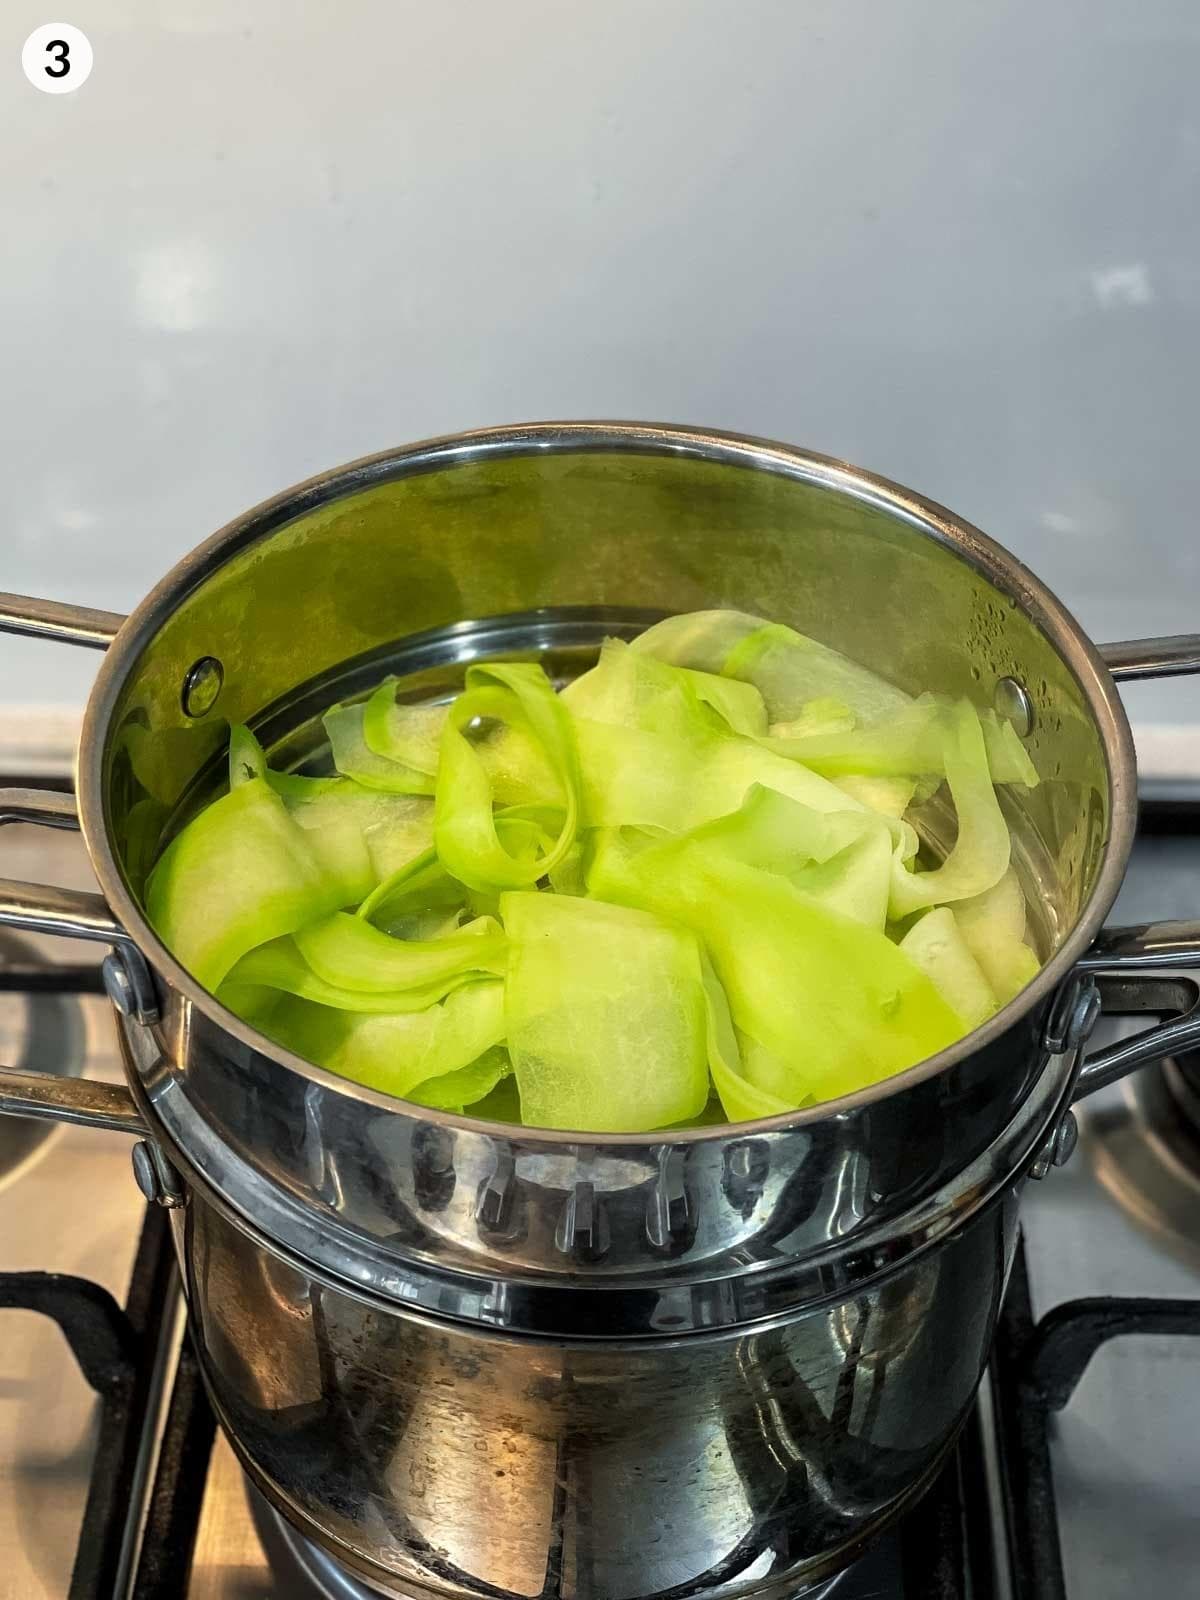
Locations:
column 173, row 1517
column 116, row 1350
column 1036, row 1368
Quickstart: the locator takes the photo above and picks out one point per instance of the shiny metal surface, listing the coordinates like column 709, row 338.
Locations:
column 50, row 619
column 1108, row 1066
column 781, row 530
column 44, row 1037
column 1058, row 1148
column 48, row 806
column 1177, row 655
column 304, row 1570
column 1011, row 700
column 1126, row 1450
column 298, row 1564
column 742, row 1462
column 777, row 1301
column 1152, row 946
column 65, row 913
column 752, row 1459
column 85, row 1103
column 247, row 1551
column 801, row 1228
column 1143, row 1137
column 1133, row 962
column 128, row 984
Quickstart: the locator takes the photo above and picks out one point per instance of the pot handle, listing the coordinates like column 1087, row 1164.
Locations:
column 1132, row 972
column 1117, row 975
column 70, row 913
column 1169, row 657
column 83, row 1101
column 50, row 619
column 74, row 914
column 43, row 908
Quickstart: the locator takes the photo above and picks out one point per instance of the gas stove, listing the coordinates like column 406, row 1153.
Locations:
column 1074, row 1479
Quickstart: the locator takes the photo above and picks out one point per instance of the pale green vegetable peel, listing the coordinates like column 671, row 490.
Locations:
column 605, row 1015
column 993, row 926
column 835, row 1002
column 348, row 951
column 701, row 881
column 464, row 825
column 399, row 1052
column 908, row 743
column 936, row 945
column 979, row 857
column 279, row 965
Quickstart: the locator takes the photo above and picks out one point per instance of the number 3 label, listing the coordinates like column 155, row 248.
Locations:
column 57, row 58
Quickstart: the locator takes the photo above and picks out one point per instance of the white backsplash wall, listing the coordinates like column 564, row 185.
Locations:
column 955, row 242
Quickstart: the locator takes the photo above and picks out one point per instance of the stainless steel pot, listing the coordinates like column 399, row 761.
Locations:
column 473, row 1360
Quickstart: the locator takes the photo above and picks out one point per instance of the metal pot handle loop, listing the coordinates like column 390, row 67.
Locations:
column 1172, row 656
column 40, row 908
column 1127, row 965
column 1135, row 971
column 83, row 1101
column 43, row 908
column 50, row 619
column 75, row 914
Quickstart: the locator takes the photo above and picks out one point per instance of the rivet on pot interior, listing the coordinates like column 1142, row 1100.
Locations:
column 201, row 686
column 1011, row 700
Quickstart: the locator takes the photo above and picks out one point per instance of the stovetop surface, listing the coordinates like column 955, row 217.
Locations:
column 1125, row 1451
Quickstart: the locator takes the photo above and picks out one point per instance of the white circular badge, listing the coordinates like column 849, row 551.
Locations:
column 57, row 58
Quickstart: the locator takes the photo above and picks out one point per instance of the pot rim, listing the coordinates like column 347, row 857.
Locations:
column 1008, row 575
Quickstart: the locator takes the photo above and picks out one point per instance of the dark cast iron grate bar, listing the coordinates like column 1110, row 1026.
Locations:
column 1037, row 1368
column 933, row 1551
column 115, row 1350
column 173, row 1519
column 115, row 1347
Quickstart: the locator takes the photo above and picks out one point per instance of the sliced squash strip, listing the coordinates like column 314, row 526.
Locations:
column 788, row 668
column 243, row 872
column 836, row 1002
column 397, row 1052
column 993, row 925
column 279, row 965
column 605, row 1015
column 936, row 945
column 980, row 854
column 468, row 844
column 348, row 951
